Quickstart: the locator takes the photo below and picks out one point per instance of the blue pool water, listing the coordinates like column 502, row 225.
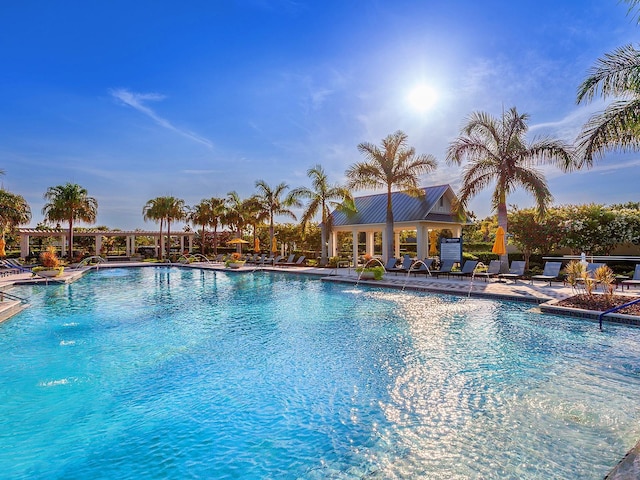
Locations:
column 178, row 373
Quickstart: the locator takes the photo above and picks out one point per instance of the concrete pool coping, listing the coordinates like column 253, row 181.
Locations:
column 546, row 296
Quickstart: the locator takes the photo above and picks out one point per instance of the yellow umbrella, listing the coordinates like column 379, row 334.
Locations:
column 235, row 241
column 2, row 244
column 433, row 240
column 499, row 247
column 256, row 245
column 274, row 245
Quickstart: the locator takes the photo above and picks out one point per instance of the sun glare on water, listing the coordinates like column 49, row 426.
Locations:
column 422, row 98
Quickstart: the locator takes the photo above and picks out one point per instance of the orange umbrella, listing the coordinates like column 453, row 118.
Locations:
column 499, row 247
column 274, row 245
column 2, row 244
column 256, row 245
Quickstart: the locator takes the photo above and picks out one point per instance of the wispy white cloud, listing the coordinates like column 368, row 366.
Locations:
column 137, row 101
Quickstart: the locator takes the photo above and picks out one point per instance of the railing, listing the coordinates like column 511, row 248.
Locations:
column 11, row 296
column 615, row 309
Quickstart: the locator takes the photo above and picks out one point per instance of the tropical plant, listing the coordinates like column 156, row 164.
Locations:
column 616, row 128
column 70, row 203
column 14, row 211
column 164, row 209
column 201, row 214
column 153, row 210
column 497, row 152
column 272, row 204
column 604, row 277
column 378, row 271
column 394, row 164
column 49, row 258
column 217, row 214
column 235, row 213
column 323, row 197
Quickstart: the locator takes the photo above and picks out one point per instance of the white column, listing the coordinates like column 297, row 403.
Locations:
column 333, row 242
column 354, row 236
column 63, row 247
column 422, row 241
column 98, row 244
column 24, row 245
column 181, row 244
column 190, row 243
column 370, row 243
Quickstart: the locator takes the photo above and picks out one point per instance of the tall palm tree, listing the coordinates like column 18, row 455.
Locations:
column 69, row 202
column 14, row 211
column 323, row 197
column 395, row 164
column 234, row 215
column 254, row 214
column 175, row 210
column 497, row 151
column 201, row 214
column 217, row 214
column 273, row 204
column 153, row 210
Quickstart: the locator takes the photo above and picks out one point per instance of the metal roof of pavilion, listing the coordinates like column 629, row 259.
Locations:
column 372, row 209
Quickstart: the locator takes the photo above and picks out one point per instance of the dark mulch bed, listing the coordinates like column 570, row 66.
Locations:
column 600, row 303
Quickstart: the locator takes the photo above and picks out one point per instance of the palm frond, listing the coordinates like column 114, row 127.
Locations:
column 615, row 74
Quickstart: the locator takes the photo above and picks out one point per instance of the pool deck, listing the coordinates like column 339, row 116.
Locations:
column 522, row 290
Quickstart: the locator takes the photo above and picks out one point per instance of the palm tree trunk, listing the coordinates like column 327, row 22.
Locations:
column 160, row 252
column 215, row 239
column 71, row 239
column 202, row 239
column 502, row 221
column 323, row 247
column 390, row 238
column 168, row 239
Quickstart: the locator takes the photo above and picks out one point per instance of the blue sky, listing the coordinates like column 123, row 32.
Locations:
column 134, row 100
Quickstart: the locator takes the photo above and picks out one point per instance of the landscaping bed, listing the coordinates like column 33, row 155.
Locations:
column 600, row 303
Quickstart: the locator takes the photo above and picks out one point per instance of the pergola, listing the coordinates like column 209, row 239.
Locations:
column 420, row 214
column 27, row 233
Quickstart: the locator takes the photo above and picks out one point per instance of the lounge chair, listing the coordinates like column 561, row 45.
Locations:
column 424, row 266
column 15, row 266
column 445, row 269
column 282, row 261
column 297, row 263
column 515, row 272
column 407, row 261
column 391, row 265
column 633, row 281
column 466, row 270
column 551, row 272
column 492, row 270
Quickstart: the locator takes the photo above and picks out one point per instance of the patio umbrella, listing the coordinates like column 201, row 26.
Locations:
column 274, row 245
column 256, row 245
column 235, row 241
column 433, row 241
column 499, row 247
column 2, row 244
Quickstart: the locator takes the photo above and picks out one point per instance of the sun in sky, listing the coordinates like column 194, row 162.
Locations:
column 422, row 97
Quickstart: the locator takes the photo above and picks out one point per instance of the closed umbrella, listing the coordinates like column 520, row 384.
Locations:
column 2, row 244
column 274, row 245
column 499, row 247
column 433, row 240
column 256, row 245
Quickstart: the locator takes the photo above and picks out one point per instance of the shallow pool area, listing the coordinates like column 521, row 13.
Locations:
column 164, row 372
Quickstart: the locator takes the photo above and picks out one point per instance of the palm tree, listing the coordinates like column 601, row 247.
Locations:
column 272, row 203
column 69, row 202
column 254, row 214
column 395, row 164
column 615, row 75
column 152, row 210
column 201, row 214
column 217, row 214
column 497, row 151
column 323, row 198
column 234, row 215
column 175, row 210
column 14, row 211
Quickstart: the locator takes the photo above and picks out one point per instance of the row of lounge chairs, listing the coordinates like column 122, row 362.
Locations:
column 516, row 271
column 264, row 260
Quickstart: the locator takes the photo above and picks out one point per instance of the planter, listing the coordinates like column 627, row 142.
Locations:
column 367, row 276
column 49, row 273
column 235, row 264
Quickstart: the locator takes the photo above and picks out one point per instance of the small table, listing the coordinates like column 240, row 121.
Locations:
column 619, row 279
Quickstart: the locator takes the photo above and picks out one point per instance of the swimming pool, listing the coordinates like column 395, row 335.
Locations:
column 163, row 372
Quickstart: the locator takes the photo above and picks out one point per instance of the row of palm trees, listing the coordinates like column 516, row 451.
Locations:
column 264, row 206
